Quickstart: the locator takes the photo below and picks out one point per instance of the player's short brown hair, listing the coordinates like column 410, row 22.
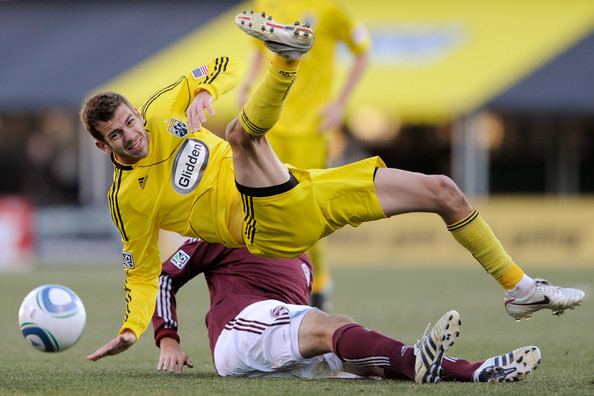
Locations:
column 100, row 108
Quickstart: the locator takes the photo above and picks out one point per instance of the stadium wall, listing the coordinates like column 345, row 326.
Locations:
column 535, row 231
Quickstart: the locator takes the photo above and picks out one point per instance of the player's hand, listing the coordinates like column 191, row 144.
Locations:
column 195, row 113
column 115, row 346
column 332, row 116
column 171, row 358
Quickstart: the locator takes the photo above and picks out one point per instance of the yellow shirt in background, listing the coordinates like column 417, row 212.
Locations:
column 312, row 90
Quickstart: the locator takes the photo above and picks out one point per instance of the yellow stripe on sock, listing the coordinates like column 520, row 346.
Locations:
column 510, row 278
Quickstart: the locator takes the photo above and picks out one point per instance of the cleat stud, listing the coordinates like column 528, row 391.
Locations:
column 271, row 30
column 297, row 23
column 306, row 34
column 251, row 11
column 307, row 25
column 263, row 14
column 243, row 22
column 451, row 317
column 263, row 28
column 244, row 12
column 296, row 33
column 447, row 326
column 250, row 24
column 457, row 333
column 269, row 18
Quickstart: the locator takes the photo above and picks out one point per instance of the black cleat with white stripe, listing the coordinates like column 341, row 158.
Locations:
column 509, row 367
column 429, row 350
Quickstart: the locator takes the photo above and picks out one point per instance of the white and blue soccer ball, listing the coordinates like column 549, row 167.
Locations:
column 52, row 318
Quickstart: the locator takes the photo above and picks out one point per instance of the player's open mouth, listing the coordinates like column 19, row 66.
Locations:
column 136, row 147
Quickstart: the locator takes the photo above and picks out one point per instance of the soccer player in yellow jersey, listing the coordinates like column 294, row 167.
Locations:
column 172, row 173
column 301, row 134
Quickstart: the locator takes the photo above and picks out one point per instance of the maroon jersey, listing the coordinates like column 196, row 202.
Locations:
column 235, row 279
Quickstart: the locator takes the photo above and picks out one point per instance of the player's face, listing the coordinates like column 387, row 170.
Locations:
column 124, row 136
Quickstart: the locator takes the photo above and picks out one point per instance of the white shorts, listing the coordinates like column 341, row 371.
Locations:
column 262, row 341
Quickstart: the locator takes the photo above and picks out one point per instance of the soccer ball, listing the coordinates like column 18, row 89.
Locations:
column 52, row 318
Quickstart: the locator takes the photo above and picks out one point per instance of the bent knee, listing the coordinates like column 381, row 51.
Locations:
column 447, row 194
column 237, row 137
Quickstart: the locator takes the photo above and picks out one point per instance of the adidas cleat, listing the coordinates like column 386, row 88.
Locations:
column 513, row 366
column 429, row 350
column 289, row 41
column 543, row 296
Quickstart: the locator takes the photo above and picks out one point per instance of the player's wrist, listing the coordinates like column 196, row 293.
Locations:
column 169, row 344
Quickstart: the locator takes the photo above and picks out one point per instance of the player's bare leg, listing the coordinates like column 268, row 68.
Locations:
column 400, row 192
column 256, row 164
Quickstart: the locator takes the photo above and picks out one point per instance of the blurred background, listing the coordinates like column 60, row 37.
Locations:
column 497, row 94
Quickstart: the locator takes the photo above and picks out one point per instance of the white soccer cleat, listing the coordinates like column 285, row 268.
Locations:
column 512, row 366
column 543, row 296
column 289, row 41
column 429, row 350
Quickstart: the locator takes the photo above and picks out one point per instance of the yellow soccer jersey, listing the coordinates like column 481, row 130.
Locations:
column 313, row 88
column 185, row 184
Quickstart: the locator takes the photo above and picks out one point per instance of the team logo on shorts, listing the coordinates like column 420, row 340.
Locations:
column 180, row 259
column 279, row 311
column 177, row 127
column 128, row 260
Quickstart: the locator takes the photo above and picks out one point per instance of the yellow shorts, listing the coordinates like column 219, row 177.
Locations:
column 290, row 222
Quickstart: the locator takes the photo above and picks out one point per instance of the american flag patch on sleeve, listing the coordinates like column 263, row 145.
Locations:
column 200, row 72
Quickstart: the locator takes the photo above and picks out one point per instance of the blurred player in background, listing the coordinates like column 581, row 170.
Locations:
column 312, row 110
column 172, row 174
column 260, row 326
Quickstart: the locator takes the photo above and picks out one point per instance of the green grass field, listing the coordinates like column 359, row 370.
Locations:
column 397, row 302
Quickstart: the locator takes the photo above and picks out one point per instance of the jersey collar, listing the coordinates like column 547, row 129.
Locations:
column 118, row 165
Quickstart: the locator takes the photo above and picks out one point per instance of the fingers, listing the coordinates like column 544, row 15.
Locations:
column 119, row 344
column 196, row 112
column 210, row 109
column 174, row 363
column 95, row 356
column 193, row 118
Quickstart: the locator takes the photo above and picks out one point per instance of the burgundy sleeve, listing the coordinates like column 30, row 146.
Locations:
column 187, row 262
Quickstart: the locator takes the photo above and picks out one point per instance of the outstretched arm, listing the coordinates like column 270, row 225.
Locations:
column 254, row 70
column 333, row 113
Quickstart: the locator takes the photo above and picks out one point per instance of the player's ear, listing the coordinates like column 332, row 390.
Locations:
column 103, row 147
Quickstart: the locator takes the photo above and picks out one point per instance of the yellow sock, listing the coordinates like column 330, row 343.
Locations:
column 265, row 105
column 321, row 270
column 476, row 236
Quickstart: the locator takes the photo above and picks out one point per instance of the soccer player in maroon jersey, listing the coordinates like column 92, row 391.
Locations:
column 260, row 326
